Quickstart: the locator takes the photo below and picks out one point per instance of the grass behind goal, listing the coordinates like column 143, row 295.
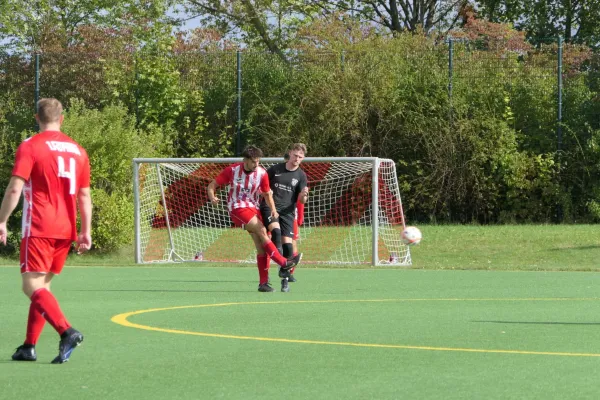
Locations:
column 504, row 247
column 318, row 244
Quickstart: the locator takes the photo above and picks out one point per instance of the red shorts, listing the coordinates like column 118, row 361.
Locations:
column 242, row 216
column 296, row 231
column 44, row 255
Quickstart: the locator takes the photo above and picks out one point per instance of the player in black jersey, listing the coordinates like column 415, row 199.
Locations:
column 299, row 220
column 289, row 185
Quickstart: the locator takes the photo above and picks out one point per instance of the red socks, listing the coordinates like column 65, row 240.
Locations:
column 45, row 303
column 35, row 325
column 263, row 261
column 272, row 252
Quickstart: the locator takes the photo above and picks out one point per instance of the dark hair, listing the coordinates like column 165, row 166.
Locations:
column 286, row 156
column 49, row 110
column 252, row 152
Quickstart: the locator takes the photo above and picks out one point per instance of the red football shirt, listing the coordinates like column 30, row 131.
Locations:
column 244, row 188
column 54, row 168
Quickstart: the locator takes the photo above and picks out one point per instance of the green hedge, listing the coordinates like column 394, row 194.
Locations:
column 488, row 153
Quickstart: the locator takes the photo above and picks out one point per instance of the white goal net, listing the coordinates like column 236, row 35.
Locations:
column 353, row 215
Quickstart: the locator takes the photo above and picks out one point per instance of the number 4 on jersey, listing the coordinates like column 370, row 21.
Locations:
column 70, row 174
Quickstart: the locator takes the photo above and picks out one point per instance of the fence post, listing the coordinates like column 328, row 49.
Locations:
column 136, row 86
column 560, row 90
column 450, row 76
column 238, row 140
column 559, row 209
column 36, row 90
column 450, row 65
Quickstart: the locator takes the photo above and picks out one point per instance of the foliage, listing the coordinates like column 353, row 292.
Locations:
column 112, row 141
column 27, row 26
column 576, row 21
column 208, row 78
column 98, row 68
column 495, row 37
column 486, row 154
column 397, row 16
column 158, row 95
column 113, row 224
column 477, row 142
column 16, row 91
column 266, row 24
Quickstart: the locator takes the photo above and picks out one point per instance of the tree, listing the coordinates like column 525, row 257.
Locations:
column 575, row 20
column 271, row 24
column 400, row 15
column 275, row 23
column 27, row 25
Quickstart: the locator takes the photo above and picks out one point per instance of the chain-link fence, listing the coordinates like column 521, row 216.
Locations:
column 489, row 130
column 230, row 80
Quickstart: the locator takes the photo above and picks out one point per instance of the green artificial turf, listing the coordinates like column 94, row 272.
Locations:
column 504, row 312
column 350, row 333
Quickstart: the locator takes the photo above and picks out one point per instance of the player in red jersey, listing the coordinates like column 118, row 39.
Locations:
column 53, row 172
column 247, row 181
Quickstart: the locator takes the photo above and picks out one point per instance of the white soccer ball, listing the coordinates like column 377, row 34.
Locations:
column 411, row 235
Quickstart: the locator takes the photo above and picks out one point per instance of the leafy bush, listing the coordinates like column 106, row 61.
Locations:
column 112, row 226
column 112, row 141
column 485, row 151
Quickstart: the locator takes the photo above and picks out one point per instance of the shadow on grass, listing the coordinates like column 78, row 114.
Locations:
column 588, row 247
column 540, row 323
column 189, row 281
column 163, row 291
column 32, row 363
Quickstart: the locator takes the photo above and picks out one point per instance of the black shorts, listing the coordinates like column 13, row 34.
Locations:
column 286, row 221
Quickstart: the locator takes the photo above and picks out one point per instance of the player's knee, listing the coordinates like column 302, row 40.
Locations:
column 262, row 232
column 255, row 228
column 29, row 288
column 288, row 250
column 31, row 282
column 276, row 236
column 26, row 290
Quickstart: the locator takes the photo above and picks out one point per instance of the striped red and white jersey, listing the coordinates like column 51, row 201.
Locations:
column 244, row 188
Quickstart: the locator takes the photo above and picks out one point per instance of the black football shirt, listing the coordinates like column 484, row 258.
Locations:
column 286, row 186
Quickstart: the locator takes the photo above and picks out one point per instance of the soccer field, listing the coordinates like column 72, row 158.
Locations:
column 190, row 332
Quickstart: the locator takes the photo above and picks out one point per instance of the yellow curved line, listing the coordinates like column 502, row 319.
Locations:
column 122, row 319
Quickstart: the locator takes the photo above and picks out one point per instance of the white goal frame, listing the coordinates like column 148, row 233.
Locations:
column 400, row 255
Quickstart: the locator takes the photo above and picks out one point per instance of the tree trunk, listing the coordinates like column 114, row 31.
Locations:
column 262, row 31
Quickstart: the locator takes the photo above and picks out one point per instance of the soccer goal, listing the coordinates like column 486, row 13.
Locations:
column 353, row 214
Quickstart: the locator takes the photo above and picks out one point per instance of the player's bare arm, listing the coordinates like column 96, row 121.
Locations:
column 210, row 190
column 84, row 202
column 268, row 196
column 303, row 196
column 9, row 203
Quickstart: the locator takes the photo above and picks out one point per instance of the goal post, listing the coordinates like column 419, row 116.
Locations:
column 353, row 215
